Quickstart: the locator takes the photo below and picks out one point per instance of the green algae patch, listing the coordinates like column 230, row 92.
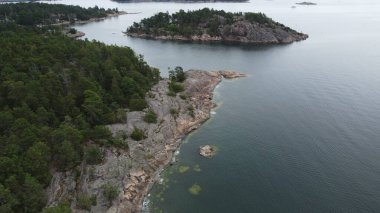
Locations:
column 216, row 149
column 197, row 168
column 195, row 189
column 183, row 169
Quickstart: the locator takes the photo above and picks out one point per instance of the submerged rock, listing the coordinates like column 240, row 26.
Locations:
column 183, row 169
column 195, row 189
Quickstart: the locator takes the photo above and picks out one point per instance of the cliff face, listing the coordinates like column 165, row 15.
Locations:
column 241, row 31
column 134, row 171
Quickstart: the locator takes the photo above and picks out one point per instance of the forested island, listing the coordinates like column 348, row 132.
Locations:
column 32, row 14
column 215, row 25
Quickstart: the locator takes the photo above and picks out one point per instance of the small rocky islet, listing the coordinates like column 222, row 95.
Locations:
column 207, row 151
column 208, row 25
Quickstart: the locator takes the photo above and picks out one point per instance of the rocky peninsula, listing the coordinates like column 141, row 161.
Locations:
column 109, row 15
column 207, row 25
column 136, row 169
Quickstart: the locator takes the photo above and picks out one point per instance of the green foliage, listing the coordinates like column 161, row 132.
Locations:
column 176, row 87
column 120, row 115
column 177, row 74
column 93, row 155
column 194, row 22
column 100, row 134
column 93, row 107
column 171, row 93
column 150, row 117
column 149, row 156
column 33, row 196
column 137, row 104
column 36, row 162
column 257, row 17
column 72, row 31
column 137, row 134
column 174, row 112
column 60, row 208
column 57, row 93
column 183, row 97
column 110, row 192
column 42, row 13
column 122, row 144
column 120, row 140
column 85, row 202
column 7, row 200
column 93, row 200
column 67, row 156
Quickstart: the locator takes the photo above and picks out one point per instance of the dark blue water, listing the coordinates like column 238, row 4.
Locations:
column 300, row 134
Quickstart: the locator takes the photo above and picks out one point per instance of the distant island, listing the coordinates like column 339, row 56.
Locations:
column 32, row 14
column 306, row 3
column 16, row 1
column 210, row 25
column 187, row 1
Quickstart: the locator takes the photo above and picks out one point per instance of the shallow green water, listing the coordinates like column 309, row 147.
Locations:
column 300, row 134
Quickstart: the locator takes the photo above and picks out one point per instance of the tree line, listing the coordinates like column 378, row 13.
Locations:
column 194, row 22
column 42, row 13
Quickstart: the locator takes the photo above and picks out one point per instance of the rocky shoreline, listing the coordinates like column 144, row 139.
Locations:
column 110, row 15
column 264, row 38
column 79, row 34
column 135, row 170
column 208, row 25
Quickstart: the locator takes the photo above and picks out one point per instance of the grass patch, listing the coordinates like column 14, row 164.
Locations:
column 137, row 134
column 150, row 117
column 110, row 192
column 93, row 155
column 176, row 87
column 85, row 202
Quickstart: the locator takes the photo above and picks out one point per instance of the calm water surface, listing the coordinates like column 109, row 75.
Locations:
column 300, row 134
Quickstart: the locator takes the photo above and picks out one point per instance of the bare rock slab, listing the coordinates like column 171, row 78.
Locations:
column 207, row 151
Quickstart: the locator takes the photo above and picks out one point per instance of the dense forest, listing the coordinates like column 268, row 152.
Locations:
column 194, row 22
column 41, row 13
column 56, row 95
